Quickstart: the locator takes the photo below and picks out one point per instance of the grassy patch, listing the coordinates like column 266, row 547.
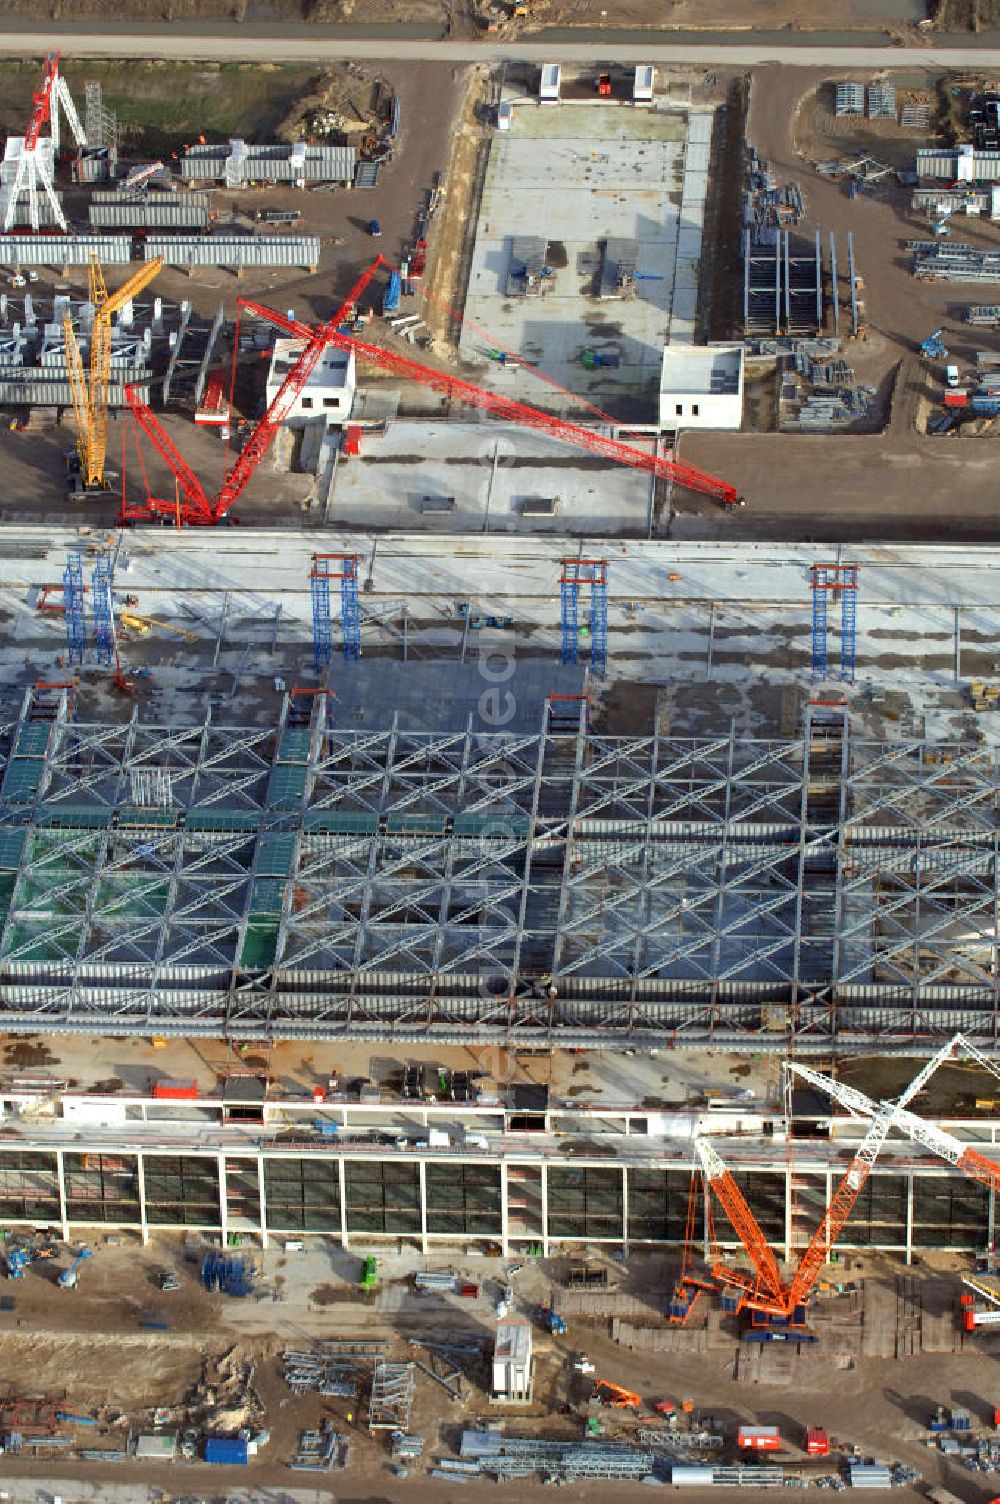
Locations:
column 171, row 103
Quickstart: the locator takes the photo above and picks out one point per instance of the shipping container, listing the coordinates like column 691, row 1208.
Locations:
column 642, row 87
column 692, row 1474
column 227, row 1451
column 175, row 1091
column 956, row 399
column 759, row 1438
column 817, row 1442
column 550, row 83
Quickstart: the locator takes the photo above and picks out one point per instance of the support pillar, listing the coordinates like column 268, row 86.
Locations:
column 544, row 1188
column 422, row 1181
column 140, row 1170
column 504, row 1214
column 625, row 1210
column 262, row 1193
column 223, row 1202
column 61, row 1183
column 991, row 1204
column 909, row 1218
column 788, row 1214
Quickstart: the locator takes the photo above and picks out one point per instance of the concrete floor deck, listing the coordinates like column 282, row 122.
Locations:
column 494, row 475
column 578, row 174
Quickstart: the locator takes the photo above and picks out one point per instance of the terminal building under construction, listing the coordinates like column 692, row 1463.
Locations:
column 309, row 881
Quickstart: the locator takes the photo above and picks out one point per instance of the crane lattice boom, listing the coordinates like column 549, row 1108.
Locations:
column 90, row 402
column 662, row 466
column 746, row 1227
column 42, row 102
column 938, row 1140
column 769, row 1294
column 454, row 387
column 197, row 508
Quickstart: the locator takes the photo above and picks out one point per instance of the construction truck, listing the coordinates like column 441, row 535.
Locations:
column 615, row 1397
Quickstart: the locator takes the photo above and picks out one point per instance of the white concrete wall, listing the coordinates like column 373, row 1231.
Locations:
column 700, row 410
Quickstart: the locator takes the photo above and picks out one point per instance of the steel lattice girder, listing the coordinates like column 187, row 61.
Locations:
column 421, row 884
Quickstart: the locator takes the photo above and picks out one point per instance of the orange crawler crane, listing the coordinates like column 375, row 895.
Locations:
column 778, row 1310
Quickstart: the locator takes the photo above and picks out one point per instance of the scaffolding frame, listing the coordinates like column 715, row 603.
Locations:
column 104, row 628
column 827, row 580
column 76, row 621
column 326, row 568
column 391, row 1396
column 310, row 881
column 593, row 575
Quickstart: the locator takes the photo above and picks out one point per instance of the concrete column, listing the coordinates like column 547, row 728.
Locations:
column 788, row 1214
column 545, row 1209
column 140, row 1170
column 909, row 1217
column 223, row 1203
column 61, row 1183
column 263, row 1201
column 991, row 1203
column 422, row 1171
column 504, row 1212
column 344, row 1239
column 625, row 1210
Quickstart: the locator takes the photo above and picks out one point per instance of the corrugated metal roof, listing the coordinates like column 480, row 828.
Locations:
column 164, row 196
column 46, row 213
column 134, row 214
column 236, row 250
column 22, row 391
column 271, row 163
column 936, row 164
column 64, row 250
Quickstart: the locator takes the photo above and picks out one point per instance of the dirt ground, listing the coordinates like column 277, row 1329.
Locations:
column 456, row 16
column 431, row 98
column 84, row 1349
column 927, row 485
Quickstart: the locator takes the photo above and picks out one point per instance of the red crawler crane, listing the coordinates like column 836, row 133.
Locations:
column 514, row 412
column 193, row 507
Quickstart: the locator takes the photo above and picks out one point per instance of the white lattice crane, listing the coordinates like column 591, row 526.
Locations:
column 30, row 164
column 938, row 1140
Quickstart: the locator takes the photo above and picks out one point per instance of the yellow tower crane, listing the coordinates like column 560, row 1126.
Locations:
column 90, row 399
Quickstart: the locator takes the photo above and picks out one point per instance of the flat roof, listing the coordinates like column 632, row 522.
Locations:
column 404, row 478
column 513, row 1344
column 702, row 369
column 332, row 369
column 588, row 175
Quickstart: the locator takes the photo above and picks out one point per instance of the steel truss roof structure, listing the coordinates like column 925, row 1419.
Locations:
column 309, row 881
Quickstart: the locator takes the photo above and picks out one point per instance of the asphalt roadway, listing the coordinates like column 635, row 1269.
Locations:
column 309, row 44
